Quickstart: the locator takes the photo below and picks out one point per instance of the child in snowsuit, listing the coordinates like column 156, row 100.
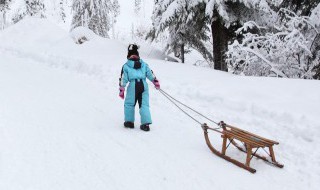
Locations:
column 135, row 71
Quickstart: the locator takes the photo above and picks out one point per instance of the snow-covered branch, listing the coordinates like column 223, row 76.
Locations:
column 287, row 51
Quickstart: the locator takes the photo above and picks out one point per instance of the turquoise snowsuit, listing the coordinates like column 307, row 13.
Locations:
column 135, row 72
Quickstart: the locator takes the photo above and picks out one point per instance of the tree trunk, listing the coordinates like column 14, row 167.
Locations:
column 182, row 53
column 220, row 43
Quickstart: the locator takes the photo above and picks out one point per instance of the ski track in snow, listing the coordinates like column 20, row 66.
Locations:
column 61, row 121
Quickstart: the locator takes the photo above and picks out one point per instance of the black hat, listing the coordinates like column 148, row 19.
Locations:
column 132, row 50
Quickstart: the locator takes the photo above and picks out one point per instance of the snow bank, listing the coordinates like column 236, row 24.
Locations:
column 47, row 43
column 82, row 34
column 30, row 31
column 151, row 52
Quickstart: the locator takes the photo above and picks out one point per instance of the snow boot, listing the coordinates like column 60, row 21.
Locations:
column 129, row 124
column 145, row 127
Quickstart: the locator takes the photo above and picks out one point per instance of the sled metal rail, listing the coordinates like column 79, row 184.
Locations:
column 251, row 141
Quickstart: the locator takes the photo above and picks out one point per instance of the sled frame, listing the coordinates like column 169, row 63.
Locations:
column 251, row 143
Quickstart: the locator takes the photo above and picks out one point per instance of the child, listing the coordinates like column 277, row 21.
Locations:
column 135, row 71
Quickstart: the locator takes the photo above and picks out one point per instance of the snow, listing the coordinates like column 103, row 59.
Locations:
column 82, row 32
column 61, row 120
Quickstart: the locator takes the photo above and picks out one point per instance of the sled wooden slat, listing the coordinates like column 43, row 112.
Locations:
column 251, row 142
column 254, row 135
column 245, row 139
column 254, row 138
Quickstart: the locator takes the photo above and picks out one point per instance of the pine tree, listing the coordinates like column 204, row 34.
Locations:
column 29, row 8
column 182, row 17
column 137, row 6
column 4, row 7
column 35, row 8
column 315, row 45
column 61, row 10
column 183, row 20
column 94, row 14
column 115, row 12
column 78, row 9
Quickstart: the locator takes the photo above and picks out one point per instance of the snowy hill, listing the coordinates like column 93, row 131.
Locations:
column 61, row 120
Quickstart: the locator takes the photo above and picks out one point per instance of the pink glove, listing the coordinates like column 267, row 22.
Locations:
column 121, row 93
column 156, row 84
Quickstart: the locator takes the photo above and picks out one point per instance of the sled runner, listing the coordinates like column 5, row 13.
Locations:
column 251, row 142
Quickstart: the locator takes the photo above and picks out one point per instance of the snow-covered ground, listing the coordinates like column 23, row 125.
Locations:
column 61, row 120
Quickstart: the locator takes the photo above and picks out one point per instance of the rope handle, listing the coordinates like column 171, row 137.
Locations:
column 176, row 102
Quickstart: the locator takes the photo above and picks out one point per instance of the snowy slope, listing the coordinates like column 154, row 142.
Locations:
column 61, row 120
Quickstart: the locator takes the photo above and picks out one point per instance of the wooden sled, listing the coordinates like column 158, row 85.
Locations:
column 250, row 142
